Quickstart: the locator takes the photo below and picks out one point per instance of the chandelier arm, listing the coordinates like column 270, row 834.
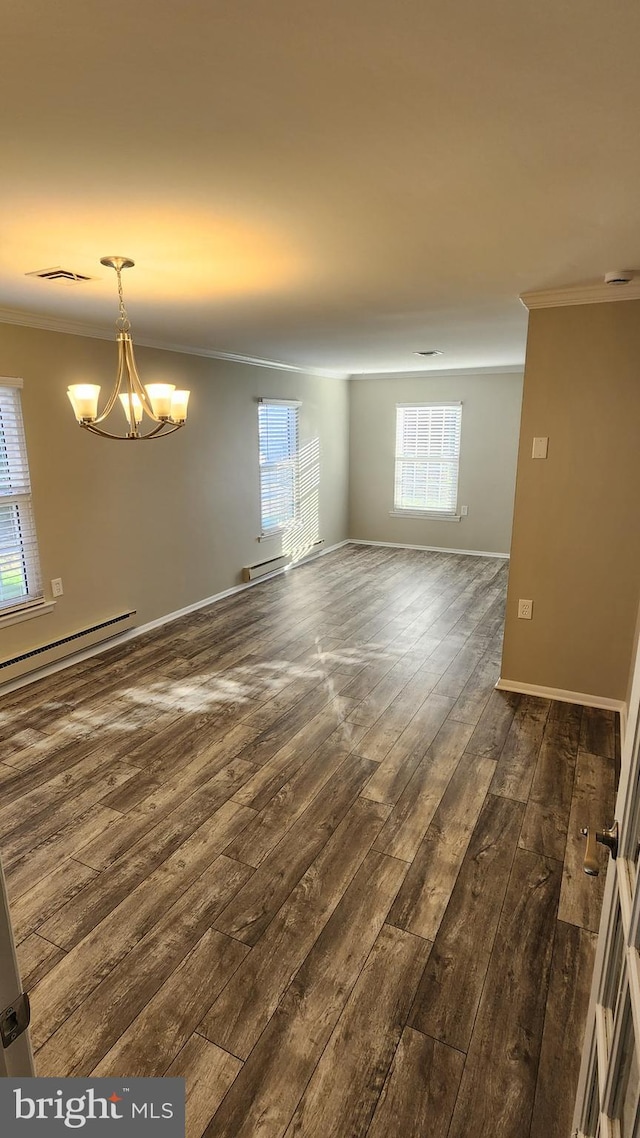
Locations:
column 165, row 428
column 137, row 384
column 114, row 394
column 91, row 427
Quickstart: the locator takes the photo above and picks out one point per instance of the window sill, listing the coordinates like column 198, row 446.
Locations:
column 15, row 616
column 425, row 514
column 271, row 534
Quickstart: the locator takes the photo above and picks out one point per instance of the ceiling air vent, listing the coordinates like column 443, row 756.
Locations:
column 67, row 276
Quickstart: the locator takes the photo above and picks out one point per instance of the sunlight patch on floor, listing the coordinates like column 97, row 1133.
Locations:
column 134, row 707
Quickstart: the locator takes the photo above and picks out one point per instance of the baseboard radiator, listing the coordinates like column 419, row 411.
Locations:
column 57, row 649
column 252, row 572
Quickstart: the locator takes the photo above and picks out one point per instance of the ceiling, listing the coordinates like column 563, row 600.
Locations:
column 334, row 184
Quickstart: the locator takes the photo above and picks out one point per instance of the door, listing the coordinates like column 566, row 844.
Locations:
column 608, row 1099
column 16, row 1058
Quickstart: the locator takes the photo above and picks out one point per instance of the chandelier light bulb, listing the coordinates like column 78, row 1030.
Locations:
column 179, row 401
column 160, row 395
column 84, row 400
column 135, row 404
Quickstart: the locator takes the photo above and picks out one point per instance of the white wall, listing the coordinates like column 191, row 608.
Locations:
column 490, row 427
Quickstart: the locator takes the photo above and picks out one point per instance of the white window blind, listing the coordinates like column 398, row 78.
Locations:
column 278, row 432
column 427, row 457
column 20, row 581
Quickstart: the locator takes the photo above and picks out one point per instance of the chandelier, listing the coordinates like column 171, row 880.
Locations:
column 160, row 402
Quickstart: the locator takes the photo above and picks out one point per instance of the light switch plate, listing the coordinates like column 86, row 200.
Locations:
column 540, row 448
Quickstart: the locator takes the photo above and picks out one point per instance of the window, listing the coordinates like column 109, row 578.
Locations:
column 19, row 568
column 427, row 458
column 278, row 432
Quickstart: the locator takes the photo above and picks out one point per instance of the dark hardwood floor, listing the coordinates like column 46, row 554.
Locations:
column 297, row 849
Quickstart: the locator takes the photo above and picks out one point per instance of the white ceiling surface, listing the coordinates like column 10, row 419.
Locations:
column 331, row 184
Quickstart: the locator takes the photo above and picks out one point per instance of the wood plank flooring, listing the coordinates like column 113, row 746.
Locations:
column 296, row 849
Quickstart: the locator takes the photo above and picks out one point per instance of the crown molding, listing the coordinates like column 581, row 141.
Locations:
column 53, row 324
column 580, row 294
column 95, row 332
column 441, row 373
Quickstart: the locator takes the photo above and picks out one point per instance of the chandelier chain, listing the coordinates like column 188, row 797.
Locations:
column 122, row 323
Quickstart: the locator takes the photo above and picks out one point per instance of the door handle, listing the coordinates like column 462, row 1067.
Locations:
column 608, row 838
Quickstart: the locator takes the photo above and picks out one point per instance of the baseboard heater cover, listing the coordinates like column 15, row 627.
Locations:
column 56, row 648
column 252, row 572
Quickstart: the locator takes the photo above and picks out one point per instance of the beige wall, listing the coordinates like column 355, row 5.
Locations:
column 490, row 418
column 576, row 537
column 155, row 526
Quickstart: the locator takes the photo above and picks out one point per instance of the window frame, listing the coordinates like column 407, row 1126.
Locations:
column 428, row 511
column 32, row 601
column 289, row 463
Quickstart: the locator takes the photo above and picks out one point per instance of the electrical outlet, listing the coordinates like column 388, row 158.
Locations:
column 464, row 511
column 56, row 587
column 525, row 610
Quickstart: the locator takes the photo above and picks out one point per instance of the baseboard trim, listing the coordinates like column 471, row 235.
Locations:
column 563, row 696
column 132, row 633
column 229, row 592
column 429, row 548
